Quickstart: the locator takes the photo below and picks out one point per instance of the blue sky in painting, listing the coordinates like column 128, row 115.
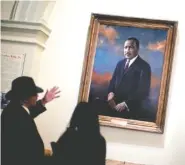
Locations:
column 108, row 54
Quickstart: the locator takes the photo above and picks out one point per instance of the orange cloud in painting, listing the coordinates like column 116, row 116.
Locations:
column 101, row 79
column 155, row 81
column 159, row 46
column 109, row 32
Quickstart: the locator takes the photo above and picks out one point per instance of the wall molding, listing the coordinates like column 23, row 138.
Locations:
column 24, row 32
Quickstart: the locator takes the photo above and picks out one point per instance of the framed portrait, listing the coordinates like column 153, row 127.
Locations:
column 127, row 68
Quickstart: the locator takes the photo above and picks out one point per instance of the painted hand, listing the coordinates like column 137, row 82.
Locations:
column 112, row 104
column 110, row 96
column 51, row 95
column 120, row 107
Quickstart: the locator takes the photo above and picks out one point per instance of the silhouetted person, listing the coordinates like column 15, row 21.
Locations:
column 21, row 142
column 81, row 143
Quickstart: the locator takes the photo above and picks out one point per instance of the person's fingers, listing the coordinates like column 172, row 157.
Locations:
column 56, row 96
column 117, row 107
column 55, row 89
column 49, row 90
column 52, row 89
column 121, row 109
column 57, row 92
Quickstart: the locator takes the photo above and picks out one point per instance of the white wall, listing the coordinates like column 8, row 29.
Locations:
column 62, row 65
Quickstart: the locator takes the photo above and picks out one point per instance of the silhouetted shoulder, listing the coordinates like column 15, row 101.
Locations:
column 102, row 139
column 67, row 136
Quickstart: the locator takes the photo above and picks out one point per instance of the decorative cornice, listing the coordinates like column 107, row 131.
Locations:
column 24, row 32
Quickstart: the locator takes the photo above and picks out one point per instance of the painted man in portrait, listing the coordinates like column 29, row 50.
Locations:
column 130, row 83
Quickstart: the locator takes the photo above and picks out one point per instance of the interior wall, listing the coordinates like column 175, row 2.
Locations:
column 62, row 62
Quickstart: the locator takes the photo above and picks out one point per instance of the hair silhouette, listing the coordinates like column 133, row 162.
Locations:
column 85, row 118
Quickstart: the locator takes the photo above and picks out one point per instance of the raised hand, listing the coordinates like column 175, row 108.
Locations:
column 51, row 95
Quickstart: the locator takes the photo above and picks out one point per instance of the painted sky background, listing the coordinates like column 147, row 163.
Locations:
column 110, row 50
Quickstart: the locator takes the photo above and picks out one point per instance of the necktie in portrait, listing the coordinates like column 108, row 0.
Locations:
column 127, row 64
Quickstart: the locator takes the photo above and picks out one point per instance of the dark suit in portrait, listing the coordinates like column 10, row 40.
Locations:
column 132, row 86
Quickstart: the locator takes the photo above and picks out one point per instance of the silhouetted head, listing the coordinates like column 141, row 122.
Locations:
column 24, row 90
column 85, row 118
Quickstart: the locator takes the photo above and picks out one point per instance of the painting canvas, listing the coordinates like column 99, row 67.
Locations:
column 140, row 90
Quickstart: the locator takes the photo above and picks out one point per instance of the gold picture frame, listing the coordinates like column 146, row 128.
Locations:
column 108, row 27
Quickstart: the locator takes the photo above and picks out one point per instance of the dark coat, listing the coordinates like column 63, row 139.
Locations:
column 21, row 142
column 131, row 86
column 72, row 148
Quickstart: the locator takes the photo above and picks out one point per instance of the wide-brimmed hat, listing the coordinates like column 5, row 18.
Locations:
column 22, row 88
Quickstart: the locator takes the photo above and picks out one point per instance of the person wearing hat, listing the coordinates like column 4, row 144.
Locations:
column 21, row 141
